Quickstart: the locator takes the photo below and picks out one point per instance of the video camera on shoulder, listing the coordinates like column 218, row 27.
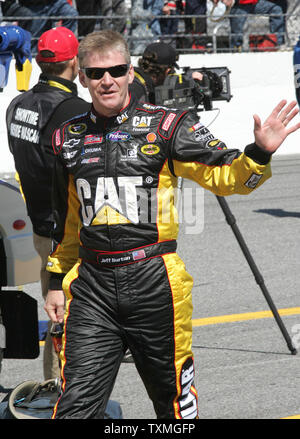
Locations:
column 184, row 92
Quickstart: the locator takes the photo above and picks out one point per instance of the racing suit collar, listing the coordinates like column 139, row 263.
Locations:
column 50, row 80
column 115, row 120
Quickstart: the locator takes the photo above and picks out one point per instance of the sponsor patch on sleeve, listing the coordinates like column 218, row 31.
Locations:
column 216, row 143
column 253, row 181
column 196, row 127
column 167, row 123
column 56, row 141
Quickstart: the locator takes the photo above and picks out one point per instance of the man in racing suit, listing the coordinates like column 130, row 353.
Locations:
column 116, row 169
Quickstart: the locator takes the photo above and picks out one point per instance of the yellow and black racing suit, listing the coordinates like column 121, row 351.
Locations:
column 127, row 287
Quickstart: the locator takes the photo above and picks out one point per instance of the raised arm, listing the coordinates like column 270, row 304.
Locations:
column 272, row 133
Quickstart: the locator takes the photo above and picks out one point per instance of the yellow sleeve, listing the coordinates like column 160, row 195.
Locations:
column 66, row 234
column 17, row 178
column 240, row 176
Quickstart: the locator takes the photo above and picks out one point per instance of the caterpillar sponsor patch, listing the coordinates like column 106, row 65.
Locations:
column 122, row 118
column 142, row 121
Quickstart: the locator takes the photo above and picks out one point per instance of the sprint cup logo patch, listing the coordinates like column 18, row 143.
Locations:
column 77, row 128
column 150, row 149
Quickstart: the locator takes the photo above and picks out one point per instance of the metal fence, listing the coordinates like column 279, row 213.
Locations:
column 195, row 33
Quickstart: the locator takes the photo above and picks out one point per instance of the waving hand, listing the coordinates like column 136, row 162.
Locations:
column 271, row 134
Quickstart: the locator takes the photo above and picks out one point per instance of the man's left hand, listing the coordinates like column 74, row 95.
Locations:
column 272, row 133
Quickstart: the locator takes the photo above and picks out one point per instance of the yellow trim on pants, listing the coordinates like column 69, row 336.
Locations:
column 181, row 283
column 68, row 279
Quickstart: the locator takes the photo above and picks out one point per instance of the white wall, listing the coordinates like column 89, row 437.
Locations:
column 258, row 82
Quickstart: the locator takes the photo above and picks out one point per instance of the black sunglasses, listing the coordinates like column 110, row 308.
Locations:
column 98, row 72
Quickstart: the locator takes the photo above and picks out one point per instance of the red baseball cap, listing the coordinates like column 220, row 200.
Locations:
column 56, row 45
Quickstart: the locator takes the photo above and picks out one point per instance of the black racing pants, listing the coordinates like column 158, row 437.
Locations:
column 144, row 306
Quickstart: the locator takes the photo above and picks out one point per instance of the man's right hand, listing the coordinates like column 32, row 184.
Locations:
column 55, row 305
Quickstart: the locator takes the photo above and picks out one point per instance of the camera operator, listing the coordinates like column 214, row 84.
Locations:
column 158, row 60
column 156, row 81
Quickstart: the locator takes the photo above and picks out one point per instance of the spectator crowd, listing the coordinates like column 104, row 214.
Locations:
column 181, row 23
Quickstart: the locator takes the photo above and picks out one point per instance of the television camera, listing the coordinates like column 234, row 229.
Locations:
column 182, row 91
column 15, row 41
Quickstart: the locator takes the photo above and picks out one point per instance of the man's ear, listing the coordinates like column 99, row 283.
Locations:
column 131, row 74
column 82, row 79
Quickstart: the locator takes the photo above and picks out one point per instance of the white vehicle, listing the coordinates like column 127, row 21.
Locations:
column 19, row 262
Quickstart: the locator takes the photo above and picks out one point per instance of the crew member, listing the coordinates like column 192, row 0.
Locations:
column 158, row 61
column 115, row 172
column 31, row 119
